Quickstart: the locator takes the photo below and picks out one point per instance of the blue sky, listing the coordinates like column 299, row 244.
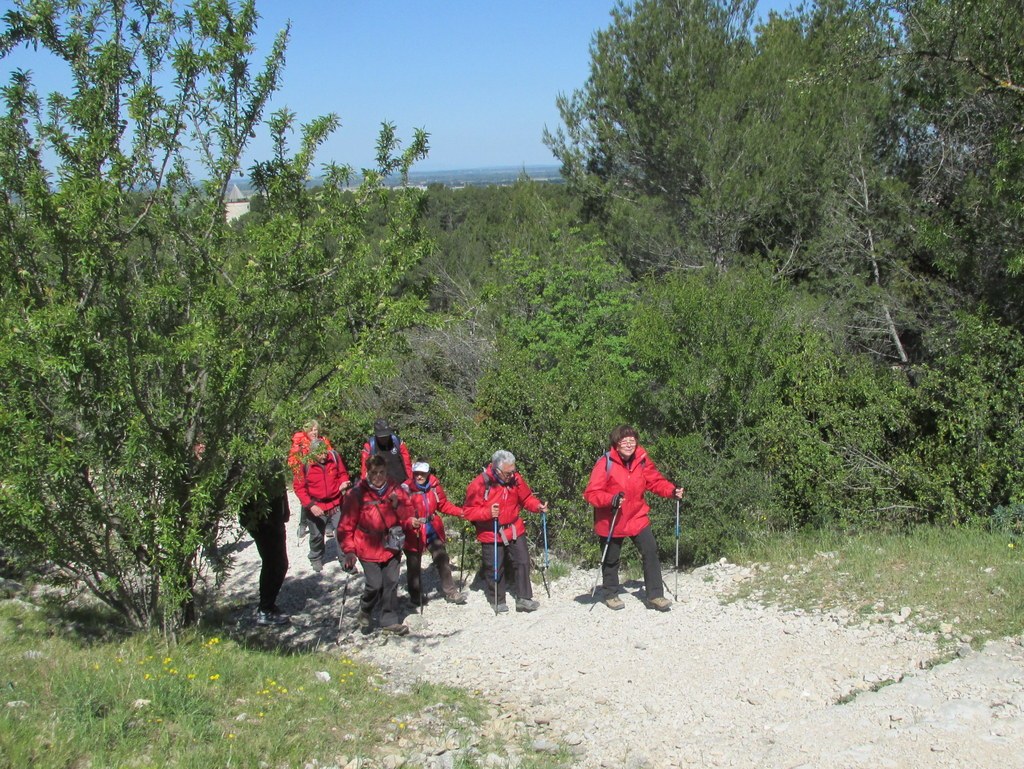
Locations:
column 481, row 76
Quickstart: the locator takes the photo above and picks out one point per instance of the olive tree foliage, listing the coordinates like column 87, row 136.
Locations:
column 155, row 356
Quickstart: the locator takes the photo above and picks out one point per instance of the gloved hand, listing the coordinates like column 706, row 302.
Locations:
column 349, row 564
column 617, row 499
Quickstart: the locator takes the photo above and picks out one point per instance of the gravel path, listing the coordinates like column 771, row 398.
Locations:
column 710, row 683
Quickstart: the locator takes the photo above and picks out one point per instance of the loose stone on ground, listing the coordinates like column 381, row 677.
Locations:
column 708, row 683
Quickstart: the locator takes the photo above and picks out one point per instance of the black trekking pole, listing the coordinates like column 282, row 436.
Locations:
column 616, row 505
column 344, row 594
column 423, row 588
column 462, row 560
column 495, row 565
column 677, row 545
column 544, row 568
column 663, row 582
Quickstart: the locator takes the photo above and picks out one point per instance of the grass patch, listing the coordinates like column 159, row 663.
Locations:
column 968, row 578
column 209, row 701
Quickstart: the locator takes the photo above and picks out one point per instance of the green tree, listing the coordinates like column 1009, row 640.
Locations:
column 560, row 370
column 761, row 416
column 155, row 356
column 962, row 84
column 709, row 142
column 965, row 458
column 645, row 123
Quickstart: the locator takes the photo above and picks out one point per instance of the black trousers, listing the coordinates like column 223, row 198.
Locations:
column 381, row 589
column 271, row 541
column 648, row 547
column 414, row 570
column 515, row 554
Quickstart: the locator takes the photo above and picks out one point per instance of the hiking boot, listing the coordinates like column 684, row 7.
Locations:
column 614, row 603
column 316, row 566
column 363, row 620
column 265, row 618
column 397, row 629
column 455, row 597
column 500, row 608
column 302, row 530
column 659, row 604
column 526, row 604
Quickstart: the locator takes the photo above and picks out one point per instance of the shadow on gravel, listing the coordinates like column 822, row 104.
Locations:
column 632, row 586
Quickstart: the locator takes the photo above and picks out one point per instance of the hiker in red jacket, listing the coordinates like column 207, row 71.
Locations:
column 429, row 499
column 375, row 519
column 385, row 443
column 298, row 456
column 619, row 479
column 494, row 500
column 320, row 480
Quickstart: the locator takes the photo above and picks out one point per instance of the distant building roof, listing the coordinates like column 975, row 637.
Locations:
column 235, row 195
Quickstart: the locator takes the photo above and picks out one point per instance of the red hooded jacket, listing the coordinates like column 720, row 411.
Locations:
column 426, row 504
column 611, row 476
column 319, row 483
column 512, row 498
column 366, row 517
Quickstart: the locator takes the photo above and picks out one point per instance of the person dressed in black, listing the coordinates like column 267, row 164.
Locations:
column 385, row 443
column 264, row 516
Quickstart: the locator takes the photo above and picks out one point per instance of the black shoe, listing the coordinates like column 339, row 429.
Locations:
column 526, row 604
column 316, row 566
column 271, row 618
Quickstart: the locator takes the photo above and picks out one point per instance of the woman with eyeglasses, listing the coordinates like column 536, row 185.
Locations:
column 618, row 482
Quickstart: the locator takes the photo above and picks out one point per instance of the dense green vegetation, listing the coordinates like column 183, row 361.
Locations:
column 788, row 253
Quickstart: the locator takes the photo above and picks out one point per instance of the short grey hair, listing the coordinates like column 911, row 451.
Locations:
column 501, row 458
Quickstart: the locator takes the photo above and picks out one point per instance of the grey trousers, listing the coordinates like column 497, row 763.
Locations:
column 317, row 527
column 381, row 589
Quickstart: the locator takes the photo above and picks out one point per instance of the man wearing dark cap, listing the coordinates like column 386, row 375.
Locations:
column 385, row 443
